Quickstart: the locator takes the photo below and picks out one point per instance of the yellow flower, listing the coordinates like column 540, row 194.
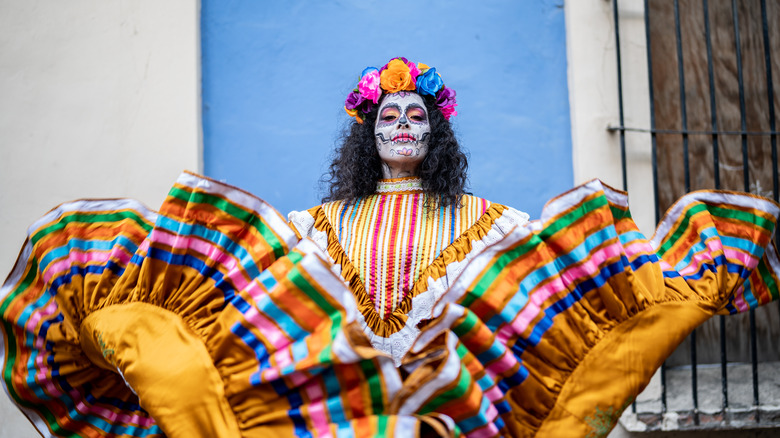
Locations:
column 396, row 77
column 423, row 67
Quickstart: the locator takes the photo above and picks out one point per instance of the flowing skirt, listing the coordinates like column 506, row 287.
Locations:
column 209, row 318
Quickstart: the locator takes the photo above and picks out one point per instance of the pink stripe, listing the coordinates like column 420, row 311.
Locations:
column 275, row 336
column 739, row 299
column 702, row 257
column 407, row 261
column 283, row 358
column 745, row 258
column 494, row 394
column 640, row 247
column 40, row 314
column 108, row 414
column 65, row 264
column 255, row 290
column 42, row 376
column 588, row 269
column 298, row 378
column 501, row 366
column 373, row 265
column 208, row 249
column 317, row 409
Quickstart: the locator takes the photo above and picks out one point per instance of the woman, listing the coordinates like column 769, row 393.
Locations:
column 211, row 318
column 398, row 227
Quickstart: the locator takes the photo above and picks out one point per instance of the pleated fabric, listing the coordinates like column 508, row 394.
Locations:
column 210, row 318
column 557, row 328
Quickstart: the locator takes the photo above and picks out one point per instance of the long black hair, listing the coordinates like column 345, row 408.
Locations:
column 356, row 167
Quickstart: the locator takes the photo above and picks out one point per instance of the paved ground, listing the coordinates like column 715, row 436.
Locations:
column 740, row 419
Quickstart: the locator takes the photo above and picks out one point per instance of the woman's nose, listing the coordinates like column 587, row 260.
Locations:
column 403, row 121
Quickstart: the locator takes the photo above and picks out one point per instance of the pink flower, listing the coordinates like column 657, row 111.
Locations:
column 448, row 111
column 413, row 70
column 369, row 86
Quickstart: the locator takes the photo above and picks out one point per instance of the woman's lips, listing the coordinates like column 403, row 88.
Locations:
column 403, row 137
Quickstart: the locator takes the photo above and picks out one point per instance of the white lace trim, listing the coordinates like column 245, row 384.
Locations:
column 405, row 185
column 303, row 221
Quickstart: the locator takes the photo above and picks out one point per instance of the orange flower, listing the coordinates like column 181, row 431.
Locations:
column 354, row 113
column 396, row 77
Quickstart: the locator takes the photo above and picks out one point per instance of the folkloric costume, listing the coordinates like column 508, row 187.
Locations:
column 389, row 317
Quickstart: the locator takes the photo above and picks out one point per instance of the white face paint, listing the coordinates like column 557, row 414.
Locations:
column 402, row 132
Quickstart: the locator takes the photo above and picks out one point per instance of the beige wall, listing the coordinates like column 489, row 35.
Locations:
column 99, row 99
column 593, row 99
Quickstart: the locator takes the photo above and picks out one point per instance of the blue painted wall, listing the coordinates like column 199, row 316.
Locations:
column 275, row 76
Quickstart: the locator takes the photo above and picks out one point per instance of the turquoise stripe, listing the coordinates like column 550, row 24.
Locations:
column 267, row 279
column 749, row 297
column 93, row 419
column 86, row 245
column 300, row 350
column 282, row 319
column 333, row 391
column 24, row 317
column 630, row 237
column 345, row 430
column 743, row 244
column 561, row 263
column 213, row 236
column 478, row 420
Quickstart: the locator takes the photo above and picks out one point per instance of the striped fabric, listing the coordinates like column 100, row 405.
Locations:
column 393, row 237
column 555, row 327
column 560, row 325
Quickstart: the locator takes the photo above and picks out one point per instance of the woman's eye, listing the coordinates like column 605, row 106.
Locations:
column 417, row 118
column 388, row 118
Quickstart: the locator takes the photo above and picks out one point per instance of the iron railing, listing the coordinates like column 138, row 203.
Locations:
column 715, row 134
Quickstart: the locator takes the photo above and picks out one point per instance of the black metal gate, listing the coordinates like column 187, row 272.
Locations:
column 758, row 92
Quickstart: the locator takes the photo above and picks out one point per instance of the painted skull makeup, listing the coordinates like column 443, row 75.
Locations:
column 402, row 133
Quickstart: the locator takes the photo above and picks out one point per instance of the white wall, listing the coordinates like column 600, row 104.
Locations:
column 99, row 99
column 593, row 99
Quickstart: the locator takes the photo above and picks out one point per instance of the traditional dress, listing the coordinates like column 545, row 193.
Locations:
column 212, row 318
column 399, row 255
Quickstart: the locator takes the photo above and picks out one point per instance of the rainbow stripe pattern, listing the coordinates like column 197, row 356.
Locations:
column 554, row 327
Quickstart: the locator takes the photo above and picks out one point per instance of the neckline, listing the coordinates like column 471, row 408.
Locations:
column 408, row 184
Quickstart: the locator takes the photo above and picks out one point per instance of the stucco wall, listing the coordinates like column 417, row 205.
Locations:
column 593, row 97
column 275, row 76
column 99, row 99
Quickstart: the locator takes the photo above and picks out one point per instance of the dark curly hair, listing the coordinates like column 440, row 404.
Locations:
column 356, row 167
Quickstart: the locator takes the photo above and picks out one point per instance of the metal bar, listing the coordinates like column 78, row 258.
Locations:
column 690, row 132
column 770, row 92
column 681, row 82
column 724, row 376
column 746, row 180
column 716, row 175
column 713, row 105
column 652, row 122
column 623, row 164
column 620, row 94
column 687, row 172
column 655, row 162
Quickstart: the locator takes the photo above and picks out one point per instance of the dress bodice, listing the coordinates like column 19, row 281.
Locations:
column 398, row 253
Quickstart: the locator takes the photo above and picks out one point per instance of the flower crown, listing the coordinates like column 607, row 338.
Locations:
column 399, row 75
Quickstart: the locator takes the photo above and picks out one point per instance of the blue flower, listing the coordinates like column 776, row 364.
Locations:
column 429, row 82
column 368, row 70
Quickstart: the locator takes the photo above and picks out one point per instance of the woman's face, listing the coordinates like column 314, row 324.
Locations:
column 402, row 132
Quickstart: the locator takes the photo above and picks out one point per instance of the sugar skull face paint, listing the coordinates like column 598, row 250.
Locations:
column 402, row 132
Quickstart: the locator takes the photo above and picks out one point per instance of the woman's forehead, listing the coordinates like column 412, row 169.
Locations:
column 402, row 99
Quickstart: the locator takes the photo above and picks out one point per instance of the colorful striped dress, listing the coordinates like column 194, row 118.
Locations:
column 212, row 318
column 399, row 255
